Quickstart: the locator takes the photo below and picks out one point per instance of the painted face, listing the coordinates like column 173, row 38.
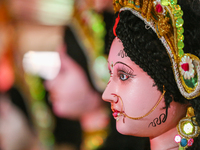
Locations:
column 69, row 91
column 132, row 92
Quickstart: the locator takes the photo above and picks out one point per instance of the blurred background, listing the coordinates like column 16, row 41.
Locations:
column 53, row 70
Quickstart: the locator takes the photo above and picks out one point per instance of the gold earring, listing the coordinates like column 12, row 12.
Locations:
column 188, row 129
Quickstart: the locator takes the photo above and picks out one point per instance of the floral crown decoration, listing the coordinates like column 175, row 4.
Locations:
column 165, row 19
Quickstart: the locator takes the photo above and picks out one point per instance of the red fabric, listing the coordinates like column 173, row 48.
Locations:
column 115, row 26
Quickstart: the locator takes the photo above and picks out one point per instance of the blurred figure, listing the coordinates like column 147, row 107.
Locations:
column 40, row 23
column 6, row 41
column 16, row 130
column 39, row 26
column 75, row 93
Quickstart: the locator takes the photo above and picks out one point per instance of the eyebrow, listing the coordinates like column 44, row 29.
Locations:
column 119, row 62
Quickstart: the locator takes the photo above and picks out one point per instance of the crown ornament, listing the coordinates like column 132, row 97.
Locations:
column 165, row 19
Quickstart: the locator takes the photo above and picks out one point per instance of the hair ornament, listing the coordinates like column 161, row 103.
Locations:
column 165, row 19
column 115, row 26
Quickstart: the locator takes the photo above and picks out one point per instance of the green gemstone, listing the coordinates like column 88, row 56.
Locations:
column 165, row 2
column 175, row 9
column 180, row 30
column 180, row 52
column 179, row 22
column 180, row 37
column 178, row 14
column 173, row 6
column 173, row 2
column 188, row 128
column 194, row 80
column 191, row 82
column 180, row 44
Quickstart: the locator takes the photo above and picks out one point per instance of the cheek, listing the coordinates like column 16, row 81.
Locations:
column 137, row 101
column 143, row 127
column 139, row 97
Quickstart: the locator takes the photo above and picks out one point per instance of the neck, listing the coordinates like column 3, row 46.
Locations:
column 97, row 118
column 165, row 141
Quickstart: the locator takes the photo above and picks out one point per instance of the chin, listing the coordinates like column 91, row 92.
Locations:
column 58, row 112
column 62, row 113
column 72, row 116
column 122, row 127
column 123, row 131
column 127, row 129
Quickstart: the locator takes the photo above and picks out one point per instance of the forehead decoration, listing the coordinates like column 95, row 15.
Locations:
column 165, row 19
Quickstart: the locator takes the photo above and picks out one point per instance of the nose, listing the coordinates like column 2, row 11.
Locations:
column 110, row 92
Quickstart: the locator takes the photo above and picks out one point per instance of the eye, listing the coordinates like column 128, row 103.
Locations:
column 123, row 77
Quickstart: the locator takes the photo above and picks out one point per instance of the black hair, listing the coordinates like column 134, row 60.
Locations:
column 146, row 50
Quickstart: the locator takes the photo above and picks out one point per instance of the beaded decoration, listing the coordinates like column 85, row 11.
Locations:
column 165, row 19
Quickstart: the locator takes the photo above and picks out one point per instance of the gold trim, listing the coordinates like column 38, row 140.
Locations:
column 189, row 89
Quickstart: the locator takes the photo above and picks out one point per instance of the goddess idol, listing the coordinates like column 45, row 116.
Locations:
column 154, row 66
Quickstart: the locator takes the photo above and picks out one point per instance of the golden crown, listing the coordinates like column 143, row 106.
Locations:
column 165, row 19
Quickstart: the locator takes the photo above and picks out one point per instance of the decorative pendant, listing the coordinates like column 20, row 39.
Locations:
column 187, row 130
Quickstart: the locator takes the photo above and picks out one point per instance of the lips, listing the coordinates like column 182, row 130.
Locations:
column 115, row 113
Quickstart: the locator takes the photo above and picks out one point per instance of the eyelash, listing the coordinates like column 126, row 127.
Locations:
column 123, row 71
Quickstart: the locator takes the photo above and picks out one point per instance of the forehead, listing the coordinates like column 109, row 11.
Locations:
column 117, row 53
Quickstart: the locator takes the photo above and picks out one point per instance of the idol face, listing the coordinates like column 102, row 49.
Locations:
column 132, row 91
column 70, row 89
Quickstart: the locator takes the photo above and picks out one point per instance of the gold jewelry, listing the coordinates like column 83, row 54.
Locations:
column 165, row 19
column 137, row 118
column 187, row 129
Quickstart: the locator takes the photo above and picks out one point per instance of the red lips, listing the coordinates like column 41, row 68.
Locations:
column 115, row 112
